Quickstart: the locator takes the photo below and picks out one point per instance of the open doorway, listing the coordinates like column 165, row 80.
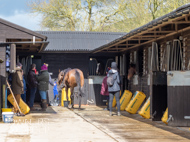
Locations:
column 26, row 62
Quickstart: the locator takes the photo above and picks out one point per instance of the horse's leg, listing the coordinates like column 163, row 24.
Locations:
column 72, row 97
column 66, row 90
column 80, row 98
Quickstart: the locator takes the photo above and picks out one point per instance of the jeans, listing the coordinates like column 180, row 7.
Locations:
column 23, row 96
column 107, row 98
column 111, row 96
column 42, row 94
column 32, row 96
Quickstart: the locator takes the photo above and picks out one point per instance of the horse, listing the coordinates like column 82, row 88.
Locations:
column 100, row 68
column 70, row 78
column 131, row 71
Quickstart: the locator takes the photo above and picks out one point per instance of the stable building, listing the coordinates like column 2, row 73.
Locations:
column 161, row 52
column 72, row 49
column 15, row 40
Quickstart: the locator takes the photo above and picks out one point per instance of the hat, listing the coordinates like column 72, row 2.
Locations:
column 44, row 67
column 114, row 65
column 18, row 64
column 46, row 64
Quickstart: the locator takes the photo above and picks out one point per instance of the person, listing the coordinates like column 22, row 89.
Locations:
column 32, row 81
column 17, row 87
column 55, row 101
column 43, row 85
column 51, row 83
column 55, row 90
column 104, row 89
column 115, row 88
column 23, row 96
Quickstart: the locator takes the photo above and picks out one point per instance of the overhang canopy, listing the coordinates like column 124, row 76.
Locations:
column 26, row 40
column 28, row 46
column 168, row 25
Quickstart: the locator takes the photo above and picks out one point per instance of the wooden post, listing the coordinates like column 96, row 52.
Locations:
column 13, row 57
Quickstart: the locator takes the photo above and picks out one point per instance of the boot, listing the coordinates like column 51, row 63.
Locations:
column 118, row 113
column 44, row 105
column 32, row 109
column 110, row 113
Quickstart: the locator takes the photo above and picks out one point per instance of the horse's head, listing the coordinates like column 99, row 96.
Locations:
column 100, row 68
column 131, row 71
column 97, row 69
column 60, row 78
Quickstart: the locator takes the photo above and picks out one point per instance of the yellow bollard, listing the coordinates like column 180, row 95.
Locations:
column 63, row 96
column 114, row 101
column 135, row 102
column 165, row 117
column 124, row 101
column 145, row 110
column 23, row 106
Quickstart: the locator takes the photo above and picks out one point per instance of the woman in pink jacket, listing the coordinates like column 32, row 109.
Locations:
column 104, row 89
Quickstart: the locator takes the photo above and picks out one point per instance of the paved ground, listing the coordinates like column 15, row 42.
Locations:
column 91, row 124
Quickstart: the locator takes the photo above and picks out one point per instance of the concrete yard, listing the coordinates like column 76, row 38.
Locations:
column 91, row 124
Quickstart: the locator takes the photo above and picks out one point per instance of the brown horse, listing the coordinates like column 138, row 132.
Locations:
column 131, row 71
column 70, row 78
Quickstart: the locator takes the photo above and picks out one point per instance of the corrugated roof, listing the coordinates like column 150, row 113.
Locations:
column 77, row 41
column 185, row 9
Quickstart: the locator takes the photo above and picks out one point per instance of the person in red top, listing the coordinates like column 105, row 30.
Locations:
column 104, row 89
column 35, row 71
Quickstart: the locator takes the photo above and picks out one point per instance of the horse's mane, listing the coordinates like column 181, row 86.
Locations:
column 66, row 70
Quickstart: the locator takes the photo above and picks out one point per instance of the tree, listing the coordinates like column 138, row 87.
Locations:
column 101, row 15
column 67, row 14
column 58, row 14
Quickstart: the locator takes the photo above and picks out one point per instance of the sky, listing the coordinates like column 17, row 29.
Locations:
column 17, row 12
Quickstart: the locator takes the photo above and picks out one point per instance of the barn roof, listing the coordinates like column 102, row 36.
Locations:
column 165, row 26
column 22, row 29
column 76, row 41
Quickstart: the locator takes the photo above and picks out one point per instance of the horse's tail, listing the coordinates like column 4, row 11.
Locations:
column 78, row 80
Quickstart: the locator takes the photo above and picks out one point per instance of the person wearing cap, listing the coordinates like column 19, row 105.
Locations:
column 114, row 90
column 43, row 85
column 17, row 86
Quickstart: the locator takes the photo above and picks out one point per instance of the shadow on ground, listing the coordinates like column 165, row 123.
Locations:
column 183, row 132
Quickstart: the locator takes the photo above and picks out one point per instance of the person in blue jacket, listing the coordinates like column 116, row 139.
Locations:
column 23, row 96
column 55, row 91
column 114, row 90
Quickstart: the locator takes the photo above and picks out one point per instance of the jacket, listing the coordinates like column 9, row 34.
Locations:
column 43, row 80
column 32, row 81
column 116, row 84
column 104, row 87
column 17, row 82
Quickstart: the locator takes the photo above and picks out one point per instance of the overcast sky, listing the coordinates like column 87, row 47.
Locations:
column 17, row 12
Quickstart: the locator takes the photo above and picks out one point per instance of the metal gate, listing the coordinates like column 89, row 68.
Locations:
column 178, row 83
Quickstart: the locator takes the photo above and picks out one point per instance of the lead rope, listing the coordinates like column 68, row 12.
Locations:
column 13, row 96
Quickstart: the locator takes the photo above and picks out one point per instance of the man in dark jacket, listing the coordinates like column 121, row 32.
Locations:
column 17, row 86
column 43, row 85
column 115, row 88
column 32, row 81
